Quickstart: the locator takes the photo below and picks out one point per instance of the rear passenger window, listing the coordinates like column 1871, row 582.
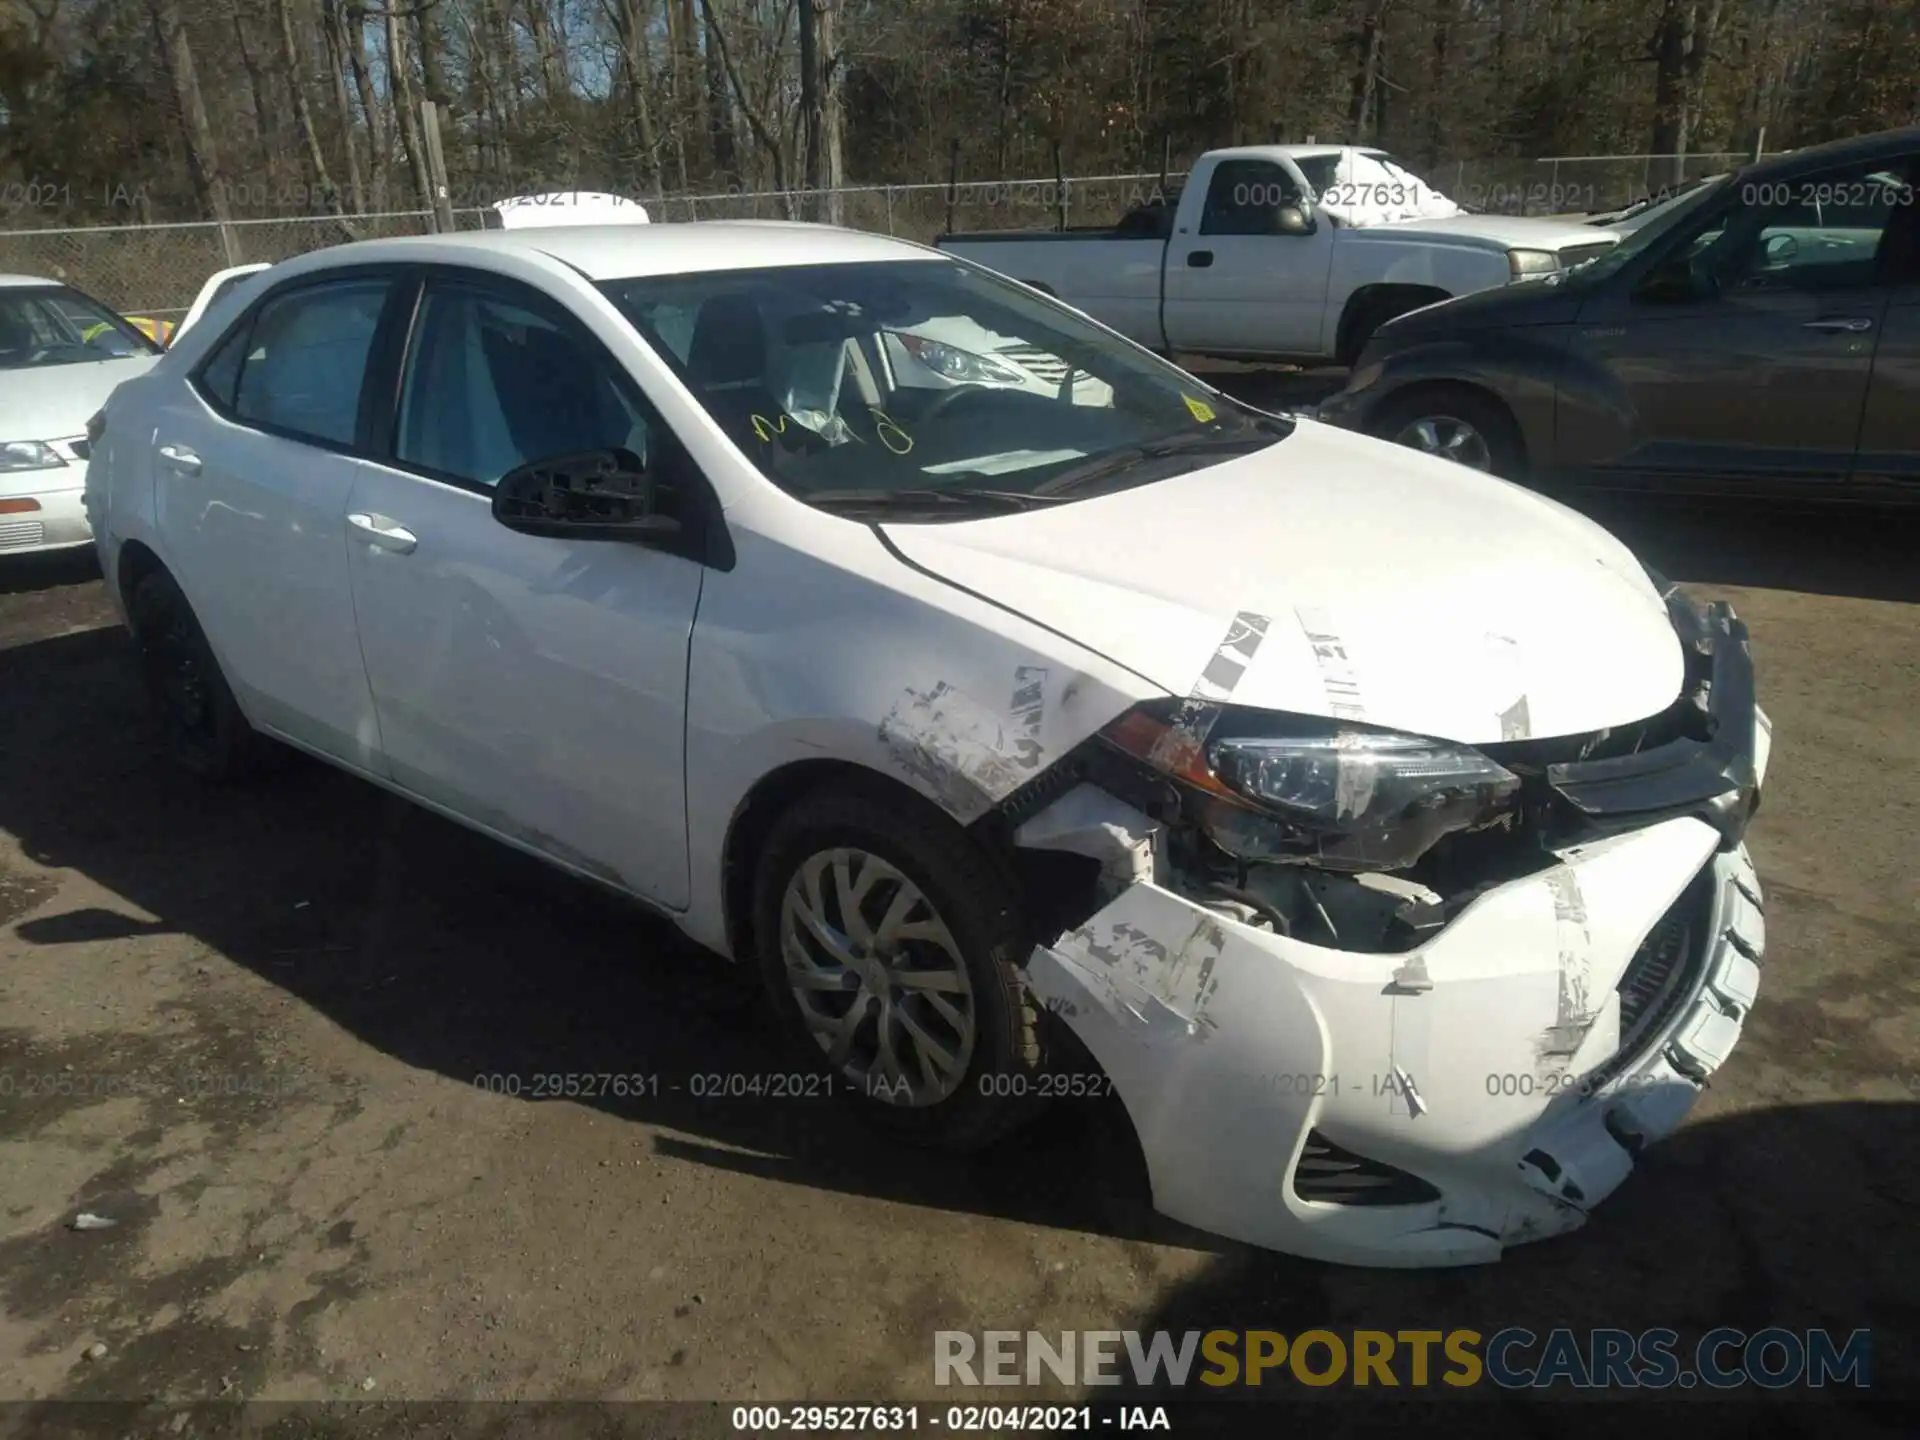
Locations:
column 306, row 356
column 220, row 373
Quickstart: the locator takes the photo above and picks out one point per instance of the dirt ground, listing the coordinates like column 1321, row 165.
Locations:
column 247, row 1026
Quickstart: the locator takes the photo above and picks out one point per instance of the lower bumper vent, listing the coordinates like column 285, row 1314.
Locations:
column 1329, row 1175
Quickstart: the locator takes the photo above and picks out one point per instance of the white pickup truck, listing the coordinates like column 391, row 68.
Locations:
column 1290, row 252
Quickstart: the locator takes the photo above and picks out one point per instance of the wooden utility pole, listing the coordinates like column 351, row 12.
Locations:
column 441, row 197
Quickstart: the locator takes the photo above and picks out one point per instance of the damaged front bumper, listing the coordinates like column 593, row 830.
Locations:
column 1433, row 1105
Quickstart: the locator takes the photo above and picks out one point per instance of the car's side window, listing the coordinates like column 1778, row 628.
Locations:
column 219, row 374
column 306, row 356
column 1822, row 232
column 1244, row 196
column 492, row 385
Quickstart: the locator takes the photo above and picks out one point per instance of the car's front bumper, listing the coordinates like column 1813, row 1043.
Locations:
column 1492, row 1085
column 58, row 522
column 1485, row 1068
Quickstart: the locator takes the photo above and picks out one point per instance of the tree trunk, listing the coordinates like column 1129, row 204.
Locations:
column 1437, row 101
column 400, row 72
column 265, row 120
column 813, row 109
column 1669, row 52
column 1366, row 77
column 720, row 114
column 756, row 121
column 203, row 157
column 330, row 26
column 433, row 49
column 303, row 113
column 353, row 38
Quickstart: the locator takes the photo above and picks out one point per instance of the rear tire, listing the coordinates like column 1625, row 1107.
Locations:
column 1456, row 423
column 200, row 723
column 947, row 1041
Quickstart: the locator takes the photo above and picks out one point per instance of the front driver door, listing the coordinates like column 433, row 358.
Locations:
column 534, row 686
column 1753, row 376
column 1241, row 285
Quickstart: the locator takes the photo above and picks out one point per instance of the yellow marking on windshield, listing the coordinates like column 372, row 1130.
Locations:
column 1202, row 411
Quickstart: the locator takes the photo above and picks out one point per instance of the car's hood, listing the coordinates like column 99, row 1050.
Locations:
column 54, row 402
column 1543, row 301
column 1507, row 230
column 1390, row 586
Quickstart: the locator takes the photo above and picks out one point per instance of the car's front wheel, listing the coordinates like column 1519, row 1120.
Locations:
column 1457, row 424
column 891, row 948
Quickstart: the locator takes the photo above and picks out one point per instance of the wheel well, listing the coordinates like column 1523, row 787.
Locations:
column 769, row 799
column 137, row 562
column 1368, row 299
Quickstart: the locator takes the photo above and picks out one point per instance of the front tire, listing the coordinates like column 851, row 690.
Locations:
column 200, row 723
column 890, row 946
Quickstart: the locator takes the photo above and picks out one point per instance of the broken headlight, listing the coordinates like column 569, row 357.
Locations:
column 1274, row 787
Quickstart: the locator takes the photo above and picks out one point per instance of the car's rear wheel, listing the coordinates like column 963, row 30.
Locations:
column 1455, row 424
column 200, row 722
column 890, row 946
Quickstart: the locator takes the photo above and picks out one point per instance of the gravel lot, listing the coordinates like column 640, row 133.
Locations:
column 334, row 1209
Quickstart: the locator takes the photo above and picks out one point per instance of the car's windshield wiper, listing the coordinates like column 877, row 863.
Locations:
column 948, row 496
column 1263, row 433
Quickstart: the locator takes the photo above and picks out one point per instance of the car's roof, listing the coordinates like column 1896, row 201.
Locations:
column 21, row 282
column 1857, row 149
column 618, row 252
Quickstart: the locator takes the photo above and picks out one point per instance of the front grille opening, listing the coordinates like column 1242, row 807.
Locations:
column 1664, row 972
column 1329, row 1175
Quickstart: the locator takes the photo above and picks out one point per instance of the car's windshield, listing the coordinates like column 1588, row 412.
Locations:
column 58, row 326
column 1657, row 225
column 896, row 381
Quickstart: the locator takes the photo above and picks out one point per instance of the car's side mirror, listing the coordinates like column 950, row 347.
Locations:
column 1678, row 280
column 588, row 495
column 1294, row 220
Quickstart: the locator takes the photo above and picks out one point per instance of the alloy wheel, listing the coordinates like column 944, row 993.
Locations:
column 878, row 977
column 1448, row 437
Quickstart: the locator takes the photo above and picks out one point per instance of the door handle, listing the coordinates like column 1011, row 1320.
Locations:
column 1199, row 259
column 378, row 530
column 178, row 457
column 1853, row 326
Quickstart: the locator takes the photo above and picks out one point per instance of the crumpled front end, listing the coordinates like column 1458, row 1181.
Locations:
column 1424, row 1067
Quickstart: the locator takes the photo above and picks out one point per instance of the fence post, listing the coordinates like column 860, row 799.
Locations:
column 889, row 209
column 1060, row 185
column 953, row 181
column 1760, row 145
column 436, row 167
column 229, row 245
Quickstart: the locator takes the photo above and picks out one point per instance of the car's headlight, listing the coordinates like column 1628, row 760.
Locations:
column 28, row 455
column 1532, row 262
column 1345, row 796
column 963, row 367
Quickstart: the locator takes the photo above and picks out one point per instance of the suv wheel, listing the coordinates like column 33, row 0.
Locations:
column 1457, row 425
column 890, row 947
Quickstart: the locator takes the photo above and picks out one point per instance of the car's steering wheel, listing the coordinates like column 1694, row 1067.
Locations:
column 953, row 397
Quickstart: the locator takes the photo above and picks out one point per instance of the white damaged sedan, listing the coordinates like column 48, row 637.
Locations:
column 1374, row 825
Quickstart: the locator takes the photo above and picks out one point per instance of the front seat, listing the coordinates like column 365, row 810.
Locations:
column 727, row 362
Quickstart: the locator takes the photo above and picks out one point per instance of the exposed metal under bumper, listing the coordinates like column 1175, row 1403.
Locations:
column 1715, row 780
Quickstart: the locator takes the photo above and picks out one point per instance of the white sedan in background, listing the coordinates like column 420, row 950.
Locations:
column 61, row 355
column 1375, row 824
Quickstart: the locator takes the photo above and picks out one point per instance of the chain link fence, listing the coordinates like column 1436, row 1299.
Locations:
column 157, row 270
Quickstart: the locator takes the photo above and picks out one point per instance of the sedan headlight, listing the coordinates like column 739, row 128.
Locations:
column 1532, row 262
column 963, row 367
column 1276, row 787
column 28, row 455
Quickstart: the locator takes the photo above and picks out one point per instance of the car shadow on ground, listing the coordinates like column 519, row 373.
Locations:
column 1796, row 1217
column 456, row 955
